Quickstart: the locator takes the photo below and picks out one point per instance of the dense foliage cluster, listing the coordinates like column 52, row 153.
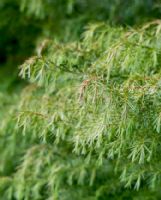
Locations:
column 86, row 121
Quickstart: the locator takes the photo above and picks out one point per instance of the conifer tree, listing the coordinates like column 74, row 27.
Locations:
column 85, row 121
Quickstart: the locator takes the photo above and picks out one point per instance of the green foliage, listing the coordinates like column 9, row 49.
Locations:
column 22, row 21
column 93, row 108
column 86, row 122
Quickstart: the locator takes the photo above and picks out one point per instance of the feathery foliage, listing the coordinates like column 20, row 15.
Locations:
column 86, row 124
